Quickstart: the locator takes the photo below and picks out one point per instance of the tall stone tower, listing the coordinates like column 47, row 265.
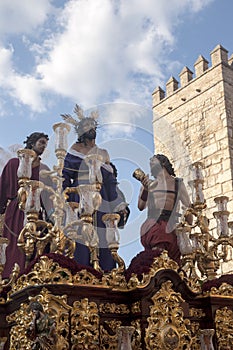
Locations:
column 194, row 122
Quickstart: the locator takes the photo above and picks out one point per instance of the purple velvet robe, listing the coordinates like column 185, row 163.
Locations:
column 14, row 217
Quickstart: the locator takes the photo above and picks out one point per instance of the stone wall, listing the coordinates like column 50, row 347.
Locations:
column 194, row 122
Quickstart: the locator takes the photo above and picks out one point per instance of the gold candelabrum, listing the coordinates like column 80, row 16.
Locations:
column 4, row 283
column 203, row 251
column 26, row 157
column 69, row 221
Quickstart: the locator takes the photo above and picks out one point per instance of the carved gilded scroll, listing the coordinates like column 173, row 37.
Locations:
column 224, row 328
column 167, row 328
column 85, row 325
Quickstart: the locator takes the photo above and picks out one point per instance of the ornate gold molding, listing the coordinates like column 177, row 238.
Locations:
column 197, row 313
column 85, row 278
column 85, row 325
column 114, row 308
column 167, row 328
column 54, row 308
column 136, row 307
column 47, row 271
column 137, row 336
column 224, row 328
column 225, row 290
column 115, row 279
column 22, row 320
column 195, row 331
column 159, row 263
column 108, row 335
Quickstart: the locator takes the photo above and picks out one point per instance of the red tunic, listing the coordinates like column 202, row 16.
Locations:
column 155, row 234
column 14, row 217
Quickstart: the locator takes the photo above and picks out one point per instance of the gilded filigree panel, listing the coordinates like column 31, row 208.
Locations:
column 224, row 328
column 114, row 308
column 108, row 335
column 85, row 325
column 43, row 323
column 167, row 328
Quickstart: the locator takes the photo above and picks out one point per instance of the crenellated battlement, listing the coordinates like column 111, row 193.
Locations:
column 219, row 55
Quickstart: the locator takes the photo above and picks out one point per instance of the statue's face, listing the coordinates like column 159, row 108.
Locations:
column 40, row 145
column 91, row 134
column 155, row 166
column 88, row 129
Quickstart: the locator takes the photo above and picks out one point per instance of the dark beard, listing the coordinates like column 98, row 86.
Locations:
column 156, row 170
column 90, row 134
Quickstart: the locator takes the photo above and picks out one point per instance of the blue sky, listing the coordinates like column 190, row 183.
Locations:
column 106, row 55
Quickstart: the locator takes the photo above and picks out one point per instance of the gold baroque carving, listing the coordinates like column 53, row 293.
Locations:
column 114, row 308
column 22, row 320
column 55, row 307
column 195, row 330
column 198, row 313
column 160, row 263
column 137, row 336
column 136, row 307
column 86, row 278
column 108, row 335
column 224, row 328
column 84, row 325
column 115, row 279
column 224, row 290
column 167, row 328
column 46, row 271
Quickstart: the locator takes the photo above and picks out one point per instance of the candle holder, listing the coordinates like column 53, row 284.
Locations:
column 124, row 334
column 4, row 283
column 36, row 233
column 26, row 157
column 90, row 200
column 34, row 189
column 183, row 239
column 2, row 342
column 61, row 131
column 113, row 237
column 197, row 185
column 72, row 223
column 24, row 173
column 206, row 337
column 3, row 245
column 94, row 162
column 222, row 215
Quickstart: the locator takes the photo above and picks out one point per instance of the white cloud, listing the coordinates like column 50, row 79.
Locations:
column 25, row 87
column 22, row 16
column 5, row 62
column 101, row 50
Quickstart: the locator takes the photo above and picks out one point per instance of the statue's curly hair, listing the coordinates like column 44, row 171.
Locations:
column 35, row 136
column 165, row 162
